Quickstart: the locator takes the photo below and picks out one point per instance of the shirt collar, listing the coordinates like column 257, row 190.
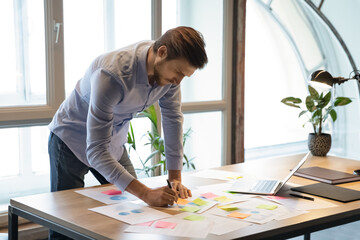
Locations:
column 141, row 72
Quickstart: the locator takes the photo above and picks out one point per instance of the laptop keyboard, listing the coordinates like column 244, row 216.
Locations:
column 264, row 186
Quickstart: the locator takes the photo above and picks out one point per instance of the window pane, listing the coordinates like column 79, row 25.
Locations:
column 39, row 149
column 270, row 76
column 22, row 60
column 138, row 157
column 25, row 162
column 210, row 24
column 10, row 152
column 132, row 23
column 205, row 141
column 83, row 37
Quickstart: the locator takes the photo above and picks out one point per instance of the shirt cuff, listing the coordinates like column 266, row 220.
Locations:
column 125, row 179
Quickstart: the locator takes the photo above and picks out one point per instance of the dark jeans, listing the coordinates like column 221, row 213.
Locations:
column 68, row 172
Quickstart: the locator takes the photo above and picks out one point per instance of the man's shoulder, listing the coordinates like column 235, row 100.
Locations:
column 123, row 61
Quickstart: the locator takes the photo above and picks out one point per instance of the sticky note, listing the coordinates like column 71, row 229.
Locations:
column 163, row 224
column 209, row 195
column 276, row 197
column 112, row 192
column 200, row 202
column 145, row 224
column 267, row 207
column 194, row 218
column 182, row 201
column 190, row 209
column 239, row 215
column 228, row 207
column 223, row 199
column 235, row 177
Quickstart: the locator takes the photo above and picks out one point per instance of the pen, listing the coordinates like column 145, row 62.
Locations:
column 301, row 196
column 169, row 185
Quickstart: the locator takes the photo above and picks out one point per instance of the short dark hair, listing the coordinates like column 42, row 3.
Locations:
column 184, row 42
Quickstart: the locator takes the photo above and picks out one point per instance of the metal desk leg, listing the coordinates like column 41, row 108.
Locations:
column 13, row 225
column 307, row 236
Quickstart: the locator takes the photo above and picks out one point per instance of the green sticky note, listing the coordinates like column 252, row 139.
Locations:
column 200, row 202
column 267, row 207
column 194, row 218
column 223, row 199
column 190, row 209
column 228, row 208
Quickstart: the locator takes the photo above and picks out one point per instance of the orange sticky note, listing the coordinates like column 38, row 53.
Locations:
column 239, row 215
column 181, row 201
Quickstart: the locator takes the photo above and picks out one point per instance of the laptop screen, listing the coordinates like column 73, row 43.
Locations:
column 295, row 169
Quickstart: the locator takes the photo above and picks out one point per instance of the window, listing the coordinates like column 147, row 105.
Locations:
column 294, row 41
column 48, row 49
column 22, row 61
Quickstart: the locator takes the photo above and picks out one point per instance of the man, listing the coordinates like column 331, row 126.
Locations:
column 90, row 127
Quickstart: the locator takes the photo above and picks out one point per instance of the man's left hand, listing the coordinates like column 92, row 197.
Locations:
column 181, row 190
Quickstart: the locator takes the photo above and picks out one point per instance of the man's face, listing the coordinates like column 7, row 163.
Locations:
column 171, row 71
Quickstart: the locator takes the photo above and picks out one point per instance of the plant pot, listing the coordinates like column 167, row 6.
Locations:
column 319, row 145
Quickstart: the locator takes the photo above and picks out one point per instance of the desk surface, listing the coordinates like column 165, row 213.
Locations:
column 70, row 209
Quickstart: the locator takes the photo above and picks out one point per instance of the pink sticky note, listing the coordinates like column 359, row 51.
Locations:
column 209, row 195
column 112, row 192
column 145, row 224
column 276, row 197
column 163, row 224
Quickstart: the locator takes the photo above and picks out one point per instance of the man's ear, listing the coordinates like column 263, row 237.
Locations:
column 162, row 52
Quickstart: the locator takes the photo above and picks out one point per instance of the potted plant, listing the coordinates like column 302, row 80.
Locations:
column 318, row 109
column 157, row 146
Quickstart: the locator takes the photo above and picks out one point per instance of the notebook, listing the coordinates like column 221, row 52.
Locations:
column 264, row 186
column 330, row 191
column 326, row 175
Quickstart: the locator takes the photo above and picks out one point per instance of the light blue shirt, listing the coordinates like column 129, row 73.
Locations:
column 93, row 121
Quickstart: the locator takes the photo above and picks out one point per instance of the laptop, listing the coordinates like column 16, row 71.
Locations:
column 264, row 186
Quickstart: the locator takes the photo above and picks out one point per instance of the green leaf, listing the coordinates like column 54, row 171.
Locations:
column 291, row 101
column 310, row 105
column 150, row 113
column 313, row 92
column 325, row 100
column 342, row 101
column 302, row 113
column 333, row 115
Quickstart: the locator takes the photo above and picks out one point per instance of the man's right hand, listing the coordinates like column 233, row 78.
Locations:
column 158, row 197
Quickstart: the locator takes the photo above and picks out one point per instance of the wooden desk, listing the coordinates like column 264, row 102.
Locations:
column 67, row 211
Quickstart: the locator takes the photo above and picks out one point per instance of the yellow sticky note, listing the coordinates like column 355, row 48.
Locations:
column 200, row 202
column 181, row 201
column 239, row 215
column 267, row 207
column 236, row 177
column 190, row 209
column 194, row 218
column 223, row 199
column 228, row 208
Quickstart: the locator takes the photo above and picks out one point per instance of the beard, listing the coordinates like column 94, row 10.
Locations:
column 156, row 77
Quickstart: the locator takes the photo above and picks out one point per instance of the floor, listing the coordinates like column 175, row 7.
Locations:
column 350, row 231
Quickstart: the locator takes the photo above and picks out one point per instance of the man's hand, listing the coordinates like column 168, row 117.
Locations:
column 180, row 189
column 158, row 197
column 175, row 179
